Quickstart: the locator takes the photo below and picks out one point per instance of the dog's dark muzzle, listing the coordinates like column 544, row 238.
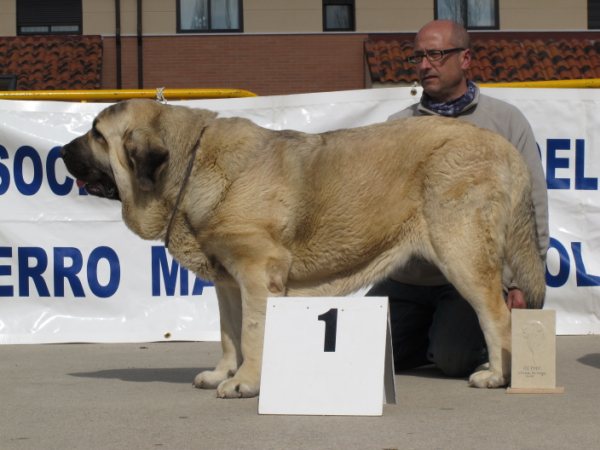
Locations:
column 93, row 180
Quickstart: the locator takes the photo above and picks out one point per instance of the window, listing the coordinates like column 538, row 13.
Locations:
column 593, row 7
column 201, row 16
column 44, row 17
column 8, row 82
column 338, row 15
column 473, row 14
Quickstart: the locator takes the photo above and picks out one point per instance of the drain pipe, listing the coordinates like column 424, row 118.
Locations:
column 118, row 42
column 140, row 47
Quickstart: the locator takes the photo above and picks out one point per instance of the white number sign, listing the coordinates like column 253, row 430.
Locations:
column 326, row 356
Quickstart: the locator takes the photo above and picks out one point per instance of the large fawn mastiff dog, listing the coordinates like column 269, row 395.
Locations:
column 283, row 213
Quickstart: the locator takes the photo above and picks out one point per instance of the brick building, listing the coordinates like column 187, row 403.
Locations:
column 282, row 46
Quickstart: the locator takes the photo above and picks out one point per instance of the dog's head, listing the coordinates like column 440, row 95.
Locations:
column 123, row 150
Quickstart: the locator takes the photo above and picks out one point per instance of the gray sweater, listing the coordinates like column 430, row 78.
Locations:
column 508, row 121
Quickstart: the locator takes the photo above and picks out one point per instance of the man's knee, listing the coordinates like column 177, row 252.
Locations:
column 456, row 362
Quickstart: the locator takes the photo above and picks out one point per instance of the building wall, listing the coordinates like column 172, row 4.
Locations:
column 383, row 16
column 8, row 18
column 282, row 49
column 543, row 15
column 306, row 16
column 263, row 64
column 283, row 16
column 260, row 16
column 99, row 17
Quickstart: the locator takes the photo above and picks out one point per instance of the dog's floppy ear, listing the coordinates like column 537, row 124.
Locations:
column 147, row 156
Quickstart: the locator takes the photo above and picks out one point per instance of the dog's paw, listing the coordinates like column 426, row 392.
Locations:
column 487, row 379
column 237, row 387
column 210, row 379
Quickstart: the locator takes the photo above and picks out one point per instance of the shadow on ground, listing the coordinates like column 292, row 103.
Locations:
column 591, row 359
column 146, row 375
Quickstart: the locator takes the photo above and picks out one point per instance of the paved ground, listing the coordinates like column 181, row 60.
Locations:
column 139, row 396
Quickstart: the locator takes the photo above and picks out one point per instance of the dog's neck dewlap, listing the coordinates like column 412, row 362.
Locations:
column 184, row 183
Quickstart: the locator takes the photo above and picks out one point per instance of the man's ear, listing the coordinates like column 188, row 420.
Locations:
column 466, row 59
column 147, row 157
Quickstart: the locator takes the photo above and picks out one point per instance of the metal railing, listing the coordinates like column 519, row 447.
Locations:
column 109, row 95
column 581, row 84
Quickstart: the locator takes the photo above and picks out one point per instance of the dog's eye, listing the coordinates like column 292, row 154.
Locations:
column 97, row 135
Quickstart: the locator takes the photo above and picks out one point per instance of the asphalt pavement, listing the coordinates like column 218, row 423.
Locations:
column 139, row 396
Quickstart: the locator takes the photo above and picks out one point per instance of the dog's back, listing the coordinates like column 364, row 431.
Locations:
column 375, row 194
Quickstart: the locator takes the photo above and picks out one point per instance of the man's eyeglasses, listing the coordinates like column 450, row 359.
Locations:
column 432, row 55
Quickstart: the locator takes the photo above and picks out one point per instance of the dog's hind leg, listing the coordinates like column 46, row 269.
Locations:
column 485, row 295
column 470, row 256
column 483, row 290
column 230, row 312
column 495, row 323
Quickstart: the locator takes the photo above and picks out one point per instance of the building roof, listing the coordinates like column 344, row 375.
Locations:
column 52, row 62
column 496, row 58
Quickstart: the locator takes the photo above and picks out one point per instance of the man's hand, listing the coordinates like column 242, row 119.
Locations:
column 515, row 299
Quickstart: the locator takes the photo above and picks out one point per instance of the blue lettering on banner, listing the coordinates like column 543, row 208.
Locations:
column 554, row 162
column 582, row 277
column 170, row 273
column 28, row 172
column 4, row 172
column 5, row 291
column 68, row 263
column 58, row 188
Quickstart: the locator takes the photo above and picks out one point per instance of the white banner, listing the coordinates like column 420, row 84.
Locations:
column 70, row 271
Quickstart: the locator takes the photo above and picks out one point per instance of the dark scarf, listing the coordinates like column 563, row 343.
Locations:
column 452, row 108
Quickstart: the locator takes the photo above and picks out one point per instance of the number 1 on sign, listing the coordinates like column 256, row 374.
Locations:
column 330, row 319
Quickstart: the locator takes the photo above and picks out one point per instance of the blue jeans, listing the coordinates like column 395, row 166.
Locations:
column 433, row 324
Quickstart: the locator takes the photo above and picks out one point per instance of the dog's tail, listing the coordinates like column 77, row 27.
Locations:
column 523, row 253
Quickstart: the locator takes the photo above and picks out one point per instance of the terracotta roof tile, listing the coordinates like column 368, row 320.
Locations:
column 53, row 62
column 495, row 60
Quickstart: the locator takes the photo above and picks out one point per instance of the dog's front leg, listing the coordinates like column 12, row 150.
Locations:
column 258, row 280
column 246, row 381
column 230, row 312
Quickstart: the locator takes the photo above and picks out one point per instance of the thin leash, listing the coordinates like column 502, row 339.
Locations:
column 186, row 178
